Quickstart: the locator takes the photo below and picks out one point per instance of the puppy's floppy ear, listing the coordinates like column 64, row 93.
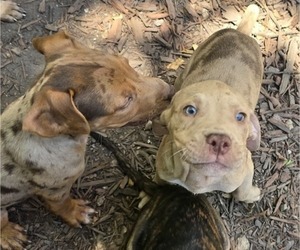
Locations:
column 53, row 113
column 158, row 128
column 54, row 44
column 253, row 141
column 165, row 117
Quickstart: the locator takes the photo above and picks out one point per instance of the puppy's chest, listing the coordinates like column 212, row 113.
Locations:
column 49, row 162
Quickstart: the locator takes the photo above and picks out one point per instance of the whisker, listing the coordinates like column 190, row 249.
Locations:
column 183, row 152
column 169, row 148
column 178, row 152
column 184, row 155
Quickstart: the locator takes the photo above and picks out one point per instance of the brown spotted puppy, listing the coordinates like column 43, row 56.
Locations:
column 44, row 132
column 10, row 11
column 211, row 121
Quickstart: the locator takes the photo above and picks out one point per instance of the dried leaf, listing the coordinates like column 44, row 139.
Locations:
column 165, row 31
column 231, row 14
column 176, row 64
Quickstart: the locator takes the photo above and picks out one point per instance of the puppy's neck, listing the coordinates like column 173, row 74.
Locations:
column 18, row 109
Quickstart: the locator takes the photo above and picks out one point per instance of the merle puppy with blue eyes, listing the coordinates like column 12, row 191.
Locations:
column 211, row 122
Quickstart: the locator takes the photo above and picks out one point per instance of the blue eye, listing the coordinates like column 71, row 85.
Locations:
column 190, row 110
column 240, row 116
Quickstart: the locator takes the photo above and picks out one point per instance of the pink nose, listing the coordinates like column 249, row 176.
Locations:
column 218, row 144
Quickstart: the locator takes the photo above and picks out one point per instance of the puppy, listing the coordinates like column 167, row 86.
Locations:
column 44, row 132
column 174, row 218
column 10, row 11
column 211, row 122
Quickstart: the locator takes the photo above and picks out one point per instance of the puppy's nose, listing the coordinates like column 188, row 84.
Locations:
column 219, row 144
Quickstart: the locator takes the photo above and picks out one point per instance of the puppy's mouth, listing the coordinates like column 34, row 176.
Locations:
column 209, row 169
column 211, row 161
column 209, row 165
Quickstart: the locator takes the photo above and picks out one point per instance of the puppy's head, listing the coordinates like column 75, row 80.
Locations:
column 102, row 89
column 211, row 127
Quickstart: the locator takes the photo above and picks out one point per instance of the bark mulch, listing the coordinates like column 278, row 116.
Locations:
column 158, row 37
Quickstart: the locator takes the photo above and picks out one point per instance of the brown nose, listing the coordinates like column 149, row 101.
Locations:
column 219, row 144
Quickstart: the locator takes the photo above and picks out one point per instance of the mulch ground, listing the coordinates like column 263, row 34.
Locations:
column 158, row 37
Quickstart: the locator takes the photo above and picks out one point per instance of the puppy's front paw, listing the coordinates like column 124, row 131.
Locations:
column 251, row 196
column 73, row 211
column 12, row 236
column 10, row 11
column 78, row 212
column 254, row 195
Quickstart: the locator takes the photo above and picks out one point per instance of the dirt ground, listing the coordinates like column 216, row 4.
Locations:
column 158, row 37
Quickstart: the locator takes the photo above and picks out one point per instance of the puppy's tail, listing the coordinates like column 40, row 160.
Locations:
column 138, row 178
column 249, row 19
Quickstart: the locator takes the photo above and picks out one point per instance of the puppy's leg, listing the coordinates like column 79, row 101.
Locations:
column 247, row 192
column 12, row 235
column 73, row 211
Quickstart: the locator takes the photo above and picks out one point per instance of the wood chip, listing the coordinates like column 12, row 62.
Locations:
column 31, row 23
column 137, row 28
column 284, row 220
column 76, row 6
column 162, row 41
column 157, row 15
column 118, row 5
column 51, row 27
column 291, row 58
column 279, row 124
column 115, row 31
column 17, row 51
column 279, row 164
column 171, row 9
column 101, row 182
column 278, row 139
column 42, row 6
column 279, row 201
column 285, row 176
column 271, row 180
column 191, row 11
column 146, row 6
column 275, row 101
column 122, row 42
